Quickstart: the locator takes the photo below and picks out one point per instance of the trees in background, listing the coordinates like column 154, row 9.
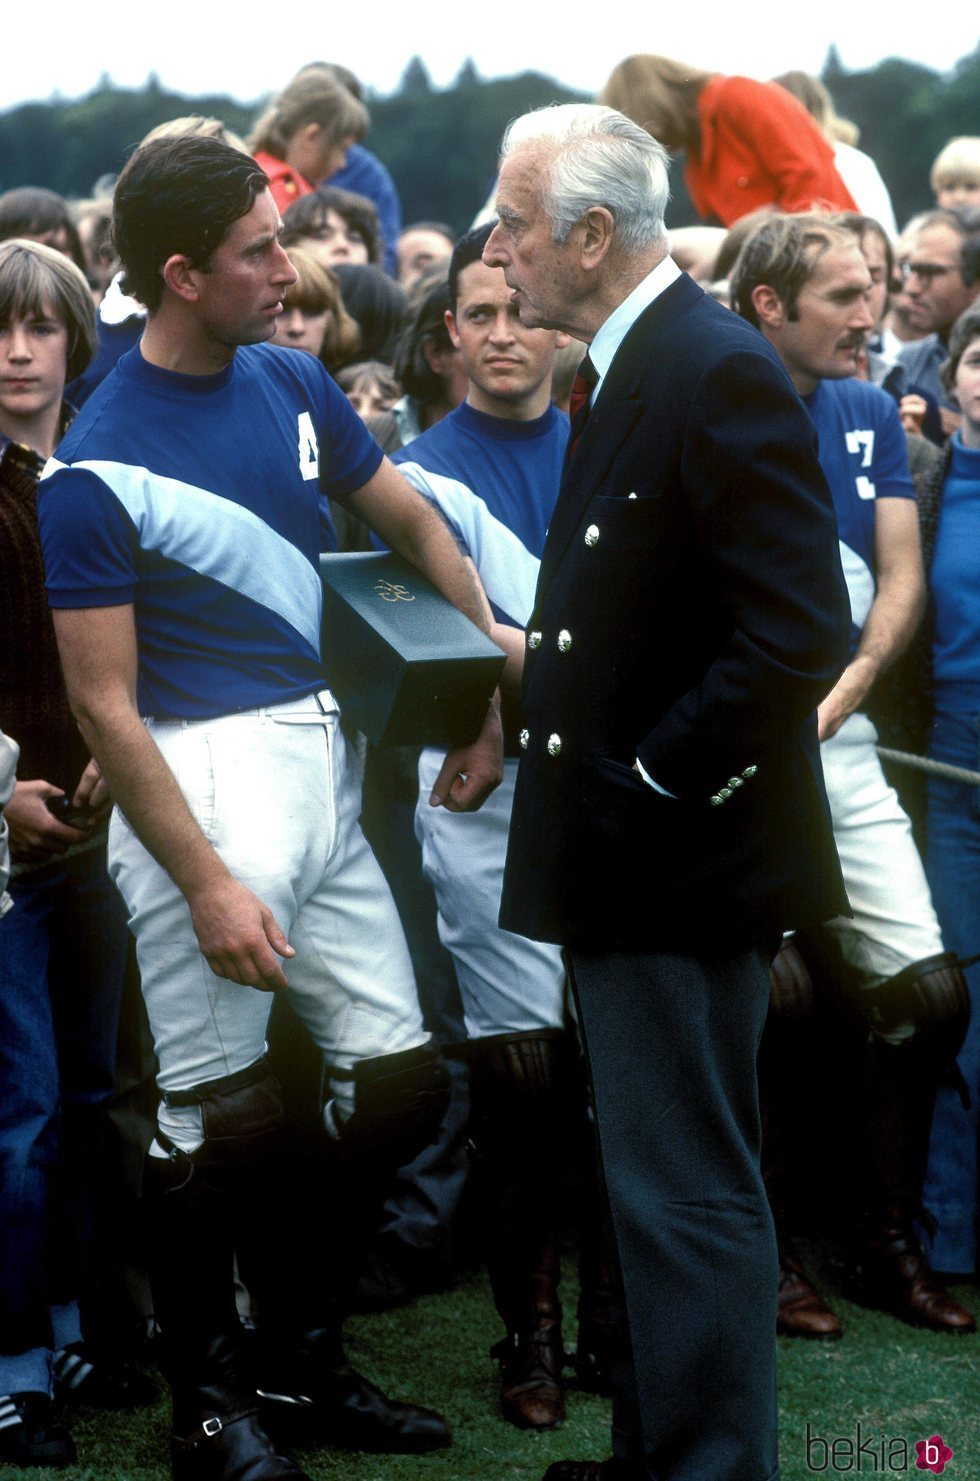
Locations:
column 441, row 144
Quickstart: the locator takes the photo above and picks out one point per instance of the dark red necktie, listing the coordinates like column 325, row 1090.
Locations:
column 578, row 405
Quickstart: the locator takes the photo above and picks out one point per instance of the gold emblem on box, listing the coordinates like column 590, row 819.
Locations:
column 390, row 591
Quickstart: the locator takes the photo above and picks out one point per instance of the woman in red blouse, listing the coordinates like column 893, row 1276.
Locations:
column 748, row 144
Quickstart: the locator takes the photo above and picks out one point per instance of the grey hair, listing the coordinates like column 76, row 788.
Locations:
column 598, row 157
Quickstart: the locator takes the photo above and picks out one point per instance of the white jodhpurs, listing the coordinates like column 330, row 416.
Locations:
column 277, row 794
column 507, row 983
column 893, row 924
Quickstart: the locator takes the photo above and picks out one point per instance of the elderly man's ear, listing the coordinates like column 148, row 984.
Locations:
column 597, row 228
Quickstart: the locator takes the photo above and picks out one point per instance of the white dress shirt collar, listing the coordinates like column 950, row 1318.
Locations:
column 603, row 349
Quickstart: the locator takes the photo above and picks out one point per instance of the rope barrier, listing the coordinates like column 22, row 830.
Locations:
column 933, row 768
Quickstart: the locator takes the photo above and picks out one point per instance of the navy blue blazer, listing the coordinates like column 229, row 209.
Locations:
column 690, row 611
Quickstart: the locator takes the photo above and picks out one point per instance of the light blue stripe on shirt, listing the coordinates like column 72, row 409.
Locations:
column 217, row 538
column 508, row 570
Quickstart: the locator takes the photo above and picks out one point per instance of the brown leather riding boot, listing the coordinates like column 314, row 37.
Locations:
column 531, row 1357
column 894, row 1276
column 891, row 1271
column 801, row 1311
column 518, row 1087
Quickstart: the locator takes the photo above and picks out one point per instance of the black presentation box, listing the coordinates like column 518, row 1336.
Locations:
column 407, row 668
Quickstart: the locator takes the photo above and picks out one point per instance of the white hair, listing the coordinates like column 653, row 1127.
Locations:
column 597, row 157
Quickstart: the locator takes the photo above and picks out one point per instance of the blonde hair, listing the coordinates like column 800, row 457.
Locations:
column 657, row 93
column 958, row 157
column 812, row 93
column 316, row 291
column 36, row 280
column 196, row 125
column 313, row 96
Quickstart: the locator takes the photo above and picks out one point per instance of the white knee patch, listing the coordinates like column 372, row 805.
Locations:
column 339, row 1108
column 183, row 1125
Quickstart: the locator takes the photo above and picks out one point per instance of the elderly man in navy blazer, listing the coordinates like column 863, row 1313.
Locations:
column 670, row 821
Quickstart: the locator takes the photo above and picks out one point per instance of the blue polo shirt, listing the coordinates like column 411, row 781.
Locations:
column 495, row 482
column 199, row 500
column 862, row 453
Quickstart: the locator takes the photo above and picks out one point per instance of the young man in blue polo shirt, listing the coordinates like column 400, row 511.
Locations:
column 493, row 468
column 180, row 525
column 805, row 284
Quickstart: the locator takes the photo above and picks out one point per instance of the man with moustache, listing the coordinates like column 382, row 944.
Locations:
column 806, row 286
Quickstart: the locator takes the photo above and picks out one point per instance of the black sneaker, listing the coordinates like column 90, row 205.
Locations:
column 32, row 1432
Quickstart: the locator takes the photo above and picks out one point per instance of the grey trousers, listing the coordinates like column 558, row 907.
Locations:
column 672, row 1042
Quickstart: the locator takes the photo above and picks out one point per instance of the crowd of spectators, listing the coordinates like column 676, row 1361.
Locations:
column 379, row 307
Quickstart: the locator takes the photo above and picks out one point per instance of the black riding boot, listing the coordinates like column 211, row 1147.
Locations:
column 301, row 1253
column 918, row 1020
column 216, row 1432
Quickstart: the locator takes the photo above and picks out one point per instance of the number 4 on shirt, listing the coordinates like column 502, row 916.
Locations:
column 309, row 450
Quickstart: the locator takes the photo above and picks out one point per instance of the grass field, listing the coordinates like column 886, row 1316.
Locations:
column 897, row 1384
